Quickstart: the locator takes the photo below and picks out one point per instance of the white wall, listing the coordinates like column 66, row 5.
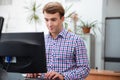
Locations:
column 113, row 8
column 92, row 10
column 110, row 9
column 15, row 17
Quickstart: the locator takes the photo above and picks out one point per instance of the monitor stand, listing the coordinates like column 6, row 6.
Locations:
column 10, row 76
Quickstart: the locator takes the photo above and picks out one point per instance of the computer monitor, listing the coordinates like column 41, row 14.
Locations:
column 27, row 51
column 1, row 23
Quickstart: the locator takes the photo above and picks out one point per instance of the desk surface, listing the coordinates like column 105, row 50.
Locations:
column 104, row 72
column 15, row 76
column 103, row 75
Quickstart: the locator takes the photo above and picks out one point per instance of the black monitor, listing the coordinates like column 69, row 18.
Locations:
column 1, row 23
column 26, row 50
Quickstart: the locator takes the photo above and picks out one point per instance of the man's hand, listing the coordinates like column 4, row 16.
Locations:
column 33, row 75
column 54, row 75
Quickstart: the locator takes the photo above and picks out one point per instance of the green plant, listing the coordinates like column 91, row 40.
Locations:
column 33, row 11
column 67, row 9
column 89, row 25
column 68, row 14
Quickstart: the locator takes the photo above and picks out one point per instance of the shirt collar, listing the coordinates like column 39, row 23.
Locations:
column 61, row 34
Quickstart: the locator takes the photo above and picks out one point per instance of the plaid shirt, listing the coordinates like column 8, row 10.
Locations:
column 67, row 55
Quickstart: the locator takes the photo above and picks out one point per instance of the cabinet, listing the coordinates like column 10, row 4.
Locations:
column 89, row 40
column 112, row 44
column 103, row 75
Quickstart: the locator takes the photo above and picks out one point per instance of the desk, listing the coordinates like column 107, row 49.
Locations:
column 14, row 76
column 10, row 76
column 103, row 75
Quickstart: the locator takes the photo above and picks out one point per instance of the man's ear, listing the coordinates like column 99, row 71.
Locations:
column 62, row 18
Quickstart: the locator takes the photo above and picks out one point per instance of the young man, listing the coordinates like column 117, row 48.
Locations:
column 65, row 52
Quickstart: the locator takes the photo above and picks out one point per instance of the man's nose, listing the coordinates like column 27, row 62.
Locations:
column 49, row 23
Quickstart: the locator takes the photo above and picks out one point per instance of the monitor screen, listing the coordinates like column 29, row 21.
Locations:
column 25, row 50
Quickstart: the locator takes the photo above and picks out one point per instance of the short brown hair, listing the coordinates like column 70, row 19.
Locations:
column 54, row 7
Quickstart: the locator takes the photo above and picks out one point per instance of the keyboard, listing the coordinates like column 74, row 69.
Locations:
column 39, row 78
column 33, row 79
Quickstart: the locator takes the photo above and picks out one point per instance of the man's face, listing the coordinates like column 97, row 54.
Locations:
column 53, row 22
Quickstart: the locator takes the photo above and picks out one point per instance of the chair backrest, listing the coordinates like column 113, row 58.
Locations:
column 1, row 23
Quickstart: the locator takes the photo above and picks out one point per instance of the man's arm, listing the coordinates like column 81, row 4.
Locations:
column 82, row 64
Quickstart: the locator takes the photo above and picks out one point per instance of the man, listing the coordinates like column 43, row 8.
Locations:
column 65, row 52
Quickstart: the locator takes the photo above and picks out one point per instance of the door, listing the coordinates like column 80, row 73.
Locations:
column 112, row 43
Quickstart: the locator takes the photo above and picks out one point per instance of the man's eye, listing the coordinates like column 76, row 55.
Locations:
column 46, row 20
column 53, row 19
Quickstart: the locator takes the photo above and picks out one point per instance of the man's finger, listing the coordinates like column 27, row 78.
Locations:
column 34, row 75
column 55, row 76
column 38, row 75
column 28, row 75
column 51, row 75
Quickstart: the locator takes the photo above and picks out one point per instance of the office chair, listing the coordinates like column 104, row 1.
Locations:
column 1, row 23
